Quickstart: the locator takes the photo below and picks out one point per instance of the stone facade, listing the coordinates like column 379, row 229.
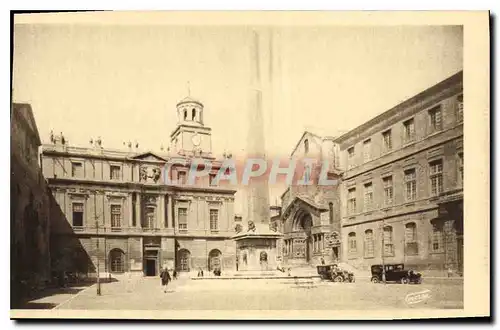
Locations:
column 402, row 192
column 30, row 227
column 135, row 212
column 311, row 213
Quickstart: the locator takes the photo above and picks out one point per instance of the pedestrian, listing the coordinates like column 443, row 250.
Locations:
column 165, row 278
column 450, row 272
column 174, row 274
column 322, row 261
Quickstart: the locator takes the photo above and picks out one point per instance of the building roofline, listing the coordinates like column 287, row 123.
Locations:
column 450, row 81
column 301, row 137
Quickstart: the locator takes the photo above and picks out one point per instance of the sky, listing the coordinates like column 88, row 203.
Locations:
column 122, row 82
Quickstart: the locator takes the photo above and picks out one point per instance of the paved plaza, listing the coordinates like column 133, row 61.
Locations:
column 275, row 294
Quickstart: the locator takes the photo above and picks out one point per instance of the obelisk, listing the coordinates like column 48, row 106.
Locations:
column 258, row 188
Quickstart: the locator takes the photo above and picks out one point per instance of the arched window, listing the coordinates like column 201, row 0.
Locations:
column 193, row 114
column 185, row 114
column 411, row 245
column 388, row 246
column 306, row 146
column 184, row 260
column 369, row 250
column 117, row 261
column 214, row 258
column 330, row 206
column 352, row 244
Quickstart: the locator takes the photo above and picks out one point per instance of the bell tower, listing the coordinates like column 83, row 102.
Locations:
column 191, row 137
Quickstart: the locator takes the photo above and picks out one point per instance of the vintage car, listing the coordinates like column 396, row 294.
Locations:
column 395, row 273
column 334, row 273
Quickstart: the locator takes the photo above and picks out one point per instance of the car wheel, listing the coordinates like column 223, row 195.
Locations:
column 405, row 280
column 338, row 279
column 375, row 280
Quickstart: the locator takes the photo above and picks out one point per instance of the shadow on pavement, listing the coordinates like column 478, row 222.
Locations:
column 38, row 305
column 31, row 303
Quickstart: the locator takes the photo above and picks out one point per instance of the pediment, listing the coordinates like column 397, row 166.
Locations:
column 149, row 156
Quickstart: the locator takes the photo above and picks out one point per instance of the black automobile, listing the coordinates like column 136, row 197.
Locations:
column 395, row 273
column 334, row 273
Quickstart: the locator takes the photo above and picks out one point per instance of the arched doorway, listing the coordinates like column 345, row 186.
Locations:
column 184, row 260
column 116, row 261
column 303, row 223
column 214, row 260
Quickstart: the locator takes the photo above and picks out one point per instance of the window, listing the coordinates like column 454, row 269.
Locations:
column 306, row 146
column 115, row 172
column 181, row 177
column 460, row 108
column 214, row 220
column 351, row 241
column 350, row 157
column 437, row 238
column 388, row 190
column 77, row 214
column 116, row 216
column 330, row 208
column 410, row 184
column 388, row 246
column 185, row 114
column 150, row 218
column 351, row 201
column 117, row 261
column 76, row 170
column 435, row 119
column 411, row 238
column 211, row 179
column 436, row 177
column 369, row 250
column 409, row 131
column 367, row 152
column 368, row 202
column 182, row 216
column 184, row 257
column 193, row 114
column 387, row 141
column 461, row 169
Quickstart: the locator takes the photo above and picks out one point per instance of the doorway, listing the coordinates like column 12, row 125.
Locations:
column 150, row 267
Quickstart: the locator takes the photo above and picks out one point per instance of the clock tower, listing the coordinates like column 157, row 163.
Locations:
column 191, row 137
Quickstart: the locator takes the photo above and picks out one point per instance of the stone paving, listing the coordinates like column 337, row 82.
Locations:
column 186, row 294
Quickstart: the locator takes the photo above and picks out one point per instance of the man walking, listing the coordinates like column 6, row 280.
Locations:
column 165, row 278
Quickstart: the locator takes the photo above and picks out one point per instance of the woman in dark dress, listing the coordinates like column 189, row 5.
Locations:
column 165, row 278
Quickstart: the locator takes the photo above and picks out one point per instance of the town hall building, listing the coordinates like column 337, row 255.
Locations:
column 114, row 210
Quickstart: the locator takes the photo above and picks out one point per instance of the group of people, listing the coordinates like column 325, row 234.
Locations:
column 167, row 278
column 216, row 272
